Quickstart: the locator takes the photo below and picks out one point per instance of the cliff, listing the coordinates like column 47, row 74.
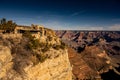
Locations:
column 33, row 57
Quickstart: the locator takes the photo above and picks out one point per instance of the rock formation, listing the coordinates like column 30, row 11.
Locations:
column 27, row 57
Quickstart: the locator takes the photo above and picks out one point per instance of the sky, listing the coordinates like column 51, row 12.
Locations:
column 64, row 14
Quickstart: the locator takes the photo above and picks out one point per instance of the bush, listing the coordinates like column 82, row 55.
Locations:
column 49, row 38
column 62, row 46
column 46, row 48
column 41, row 45
column 33, row 43
column 41, row 57
column 7, row 26
column 57, row 47
column 27, row 34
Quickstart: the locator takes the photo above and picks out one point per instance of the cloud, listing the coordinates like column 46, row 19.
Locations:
column 115, row 27
column 77, row 13
column 55, row 25
column 88, row 28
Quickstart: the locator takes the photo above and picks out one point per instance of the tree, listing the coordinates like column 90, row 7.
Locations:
column 10, row 26
column 7, row 26
column 3, row 21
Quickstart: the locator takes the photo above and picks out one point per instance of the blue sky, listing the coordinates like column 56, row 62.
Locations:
column 64, row 14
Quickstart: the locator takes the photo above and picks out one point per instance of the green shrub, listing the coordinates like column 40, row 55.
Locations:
column 46, row 48
column 33, row 43
column 62, row 46
column 41, row 45
column 41, row 57
column 49, row 38
column 57, row 47
column 7, row 26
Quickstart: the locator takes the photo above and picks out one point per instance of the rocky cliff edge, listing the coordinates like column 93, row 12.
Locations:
column 25, row 57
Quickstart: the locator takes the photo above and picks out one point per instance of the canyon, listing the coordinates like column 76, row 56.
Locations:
column 38, row 53
column 94, row 55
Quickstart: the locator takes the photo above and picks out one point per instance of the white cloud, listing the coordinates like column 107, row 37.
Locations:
column 90, row 28
column 66, row 26
column 115, row 27
column 77, row 13
column 55, row 25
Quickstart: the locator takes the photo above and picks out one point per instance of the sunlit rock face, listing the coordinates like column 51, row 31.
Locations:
column 56, row 68
column 5, row 60
column 21, row 61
